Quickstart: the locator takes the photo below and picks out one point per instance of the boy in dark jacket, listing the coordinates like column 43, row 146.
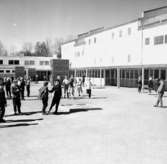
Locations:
column 44, row 97
column 57, row 96
column 16, row 98
column 2, row 102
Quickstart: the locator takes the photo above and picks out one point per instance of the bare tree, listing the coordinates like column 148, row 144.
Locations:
column 57, row 47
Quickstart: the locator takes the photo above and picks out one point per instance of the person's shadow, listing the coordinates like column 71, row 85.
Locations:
column 71, row 111
column 21, row 122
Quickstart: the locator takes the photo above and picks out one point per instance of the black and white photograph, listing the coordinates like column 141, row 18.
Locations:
column 83, row 81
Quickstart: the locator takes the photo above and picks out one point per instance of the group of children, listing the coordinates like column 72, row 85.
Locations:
column 15, row 90
column 69, row 86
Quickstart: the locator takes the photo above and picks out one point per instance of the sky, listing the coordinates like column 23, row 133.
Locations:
column 24, row 21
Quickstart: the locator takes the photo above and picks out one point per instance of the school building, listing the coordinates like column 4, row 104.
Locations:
column 118, row 55
column 33, row 65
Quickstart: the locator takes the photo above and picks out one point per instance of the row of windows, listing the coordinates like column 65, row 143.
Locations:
column 91, row 73
column 129, row 32
column 27, row 62
column 161, row 39
column 7, row 71
column 44, row 62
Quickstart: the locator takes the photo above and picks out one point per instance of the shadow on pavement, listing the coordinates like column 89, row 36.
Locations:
column 30, row 99
column 77, row 110
column 24, row 113
column 17, row 125
column 24, row 120
column 86, row 97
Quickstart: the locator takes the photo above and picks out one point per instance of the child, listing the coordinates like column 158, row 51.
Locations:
column 44, row 97
column 89, row 88
column 16, row 97
column 79, row 87
column 2, row 102
column 57, row 96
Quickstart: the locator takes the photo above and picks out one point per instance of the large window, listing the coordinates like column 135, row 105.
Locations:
column 44, row 62
column 113, row 35
column 158, row 40
column 165, row 38
column 13, row 62
column 29, row 62
column 1, row 61
column 95, row 40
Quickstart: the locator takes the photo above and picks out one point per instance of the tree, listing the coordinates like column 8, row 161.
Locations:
column 42, row 49
column 27, row 48
column 57, row 47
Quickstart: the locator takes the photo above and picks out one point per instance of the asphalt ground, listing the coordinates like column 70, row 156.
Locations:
column 115, row 126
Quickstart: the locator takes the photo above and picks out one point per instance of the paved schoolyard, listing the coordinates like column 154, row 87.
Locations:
column 116, row 126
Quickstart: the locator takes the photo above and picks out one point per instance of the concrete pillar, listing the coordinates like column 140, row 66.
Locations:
column 104, row 73
column 100, row 77
column 86, row 73
column 118, row 77
column 159, row 73
column 75, row 73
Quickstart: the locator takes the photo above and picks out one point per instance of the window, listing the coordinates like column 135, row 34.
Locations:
column 89, row 41
column 158, row 40
column 120, row 33
column 16, row 62
column 1, row 61
column 165, row 38
column 95, row 40
column 123, row 74
column 13, row 71
column 44, row 63
column 129, row 31
column 32, row 62
column 113, row 35
column 1, row 71
column 13, row 62
column 147, row 41
column 7, row 71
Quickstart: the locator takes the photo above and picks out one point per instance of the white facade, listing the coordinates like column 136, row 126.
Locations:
column 155, row 53
column 113, row 47
column 122, row 45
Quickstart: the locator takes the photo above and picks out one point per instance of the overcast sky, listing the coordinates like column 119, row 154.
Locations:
column 35, row 20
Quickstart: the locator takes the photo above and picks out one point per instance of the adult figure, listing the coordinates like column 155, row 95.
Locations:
column 3, row 102
column 160, row 91
column 16, row 97
column 57, row 95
